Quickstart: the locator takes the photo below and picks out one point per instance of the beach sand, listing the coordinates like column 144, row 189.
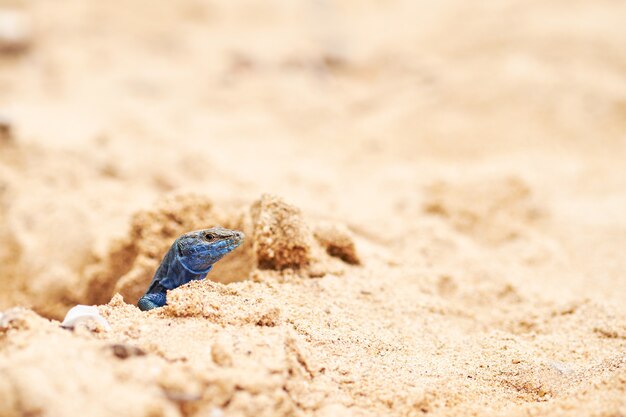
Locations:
column 433, row 196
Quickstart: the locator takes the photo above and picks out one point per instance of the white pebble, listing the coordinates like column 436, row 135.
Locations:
column 217, row 412
column 82, row 313
column 15, row 32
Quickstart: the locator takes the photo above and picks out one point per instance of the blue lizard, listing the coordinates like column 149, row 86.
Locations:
column 190, row 257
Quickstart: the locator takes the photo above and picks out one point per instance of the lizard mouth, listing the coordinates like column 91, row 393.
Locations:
column 238, row 237
column 234, row 241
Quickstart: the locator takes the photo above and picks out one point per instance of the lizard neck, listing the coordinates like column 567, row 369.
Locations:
column 178, row 274
column 204, row 272
column 173, row 273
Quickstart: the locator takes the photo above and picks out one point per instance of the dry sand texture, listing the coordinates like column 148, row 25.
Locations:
column 449, row 232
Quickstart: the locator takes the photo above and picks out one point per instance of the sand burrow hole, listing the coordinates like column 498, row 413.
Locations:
column 277, row 239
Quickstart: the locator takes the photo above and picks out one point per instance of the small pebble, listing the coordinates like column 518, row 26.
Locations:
column 83, row 313
column 6, row 130
column 124, row 351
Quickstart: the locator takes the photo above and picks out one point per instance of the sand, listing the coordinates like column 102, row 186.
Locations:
column 433, row 196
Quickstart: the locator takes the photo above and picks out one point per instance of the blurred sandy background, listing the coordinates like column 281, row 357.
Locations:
column 475, row 151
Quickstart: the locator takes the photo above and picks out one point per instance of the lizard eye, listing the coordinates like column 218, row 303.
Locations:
column 209, row 236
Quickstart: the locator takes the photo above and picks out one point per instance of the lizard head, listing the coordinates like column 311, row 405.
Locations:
column 198, row 250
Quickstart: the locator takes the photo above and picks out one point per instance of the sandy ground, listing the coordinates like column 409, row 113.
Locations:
column 433, row 194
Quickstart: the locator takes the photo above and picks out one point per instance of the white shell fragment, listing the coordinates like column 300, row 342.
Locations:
column 82, row 313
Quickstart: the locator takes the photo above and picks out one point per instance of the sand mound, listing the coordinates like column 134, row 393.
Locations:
column 277, row 238
column 281, row 238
